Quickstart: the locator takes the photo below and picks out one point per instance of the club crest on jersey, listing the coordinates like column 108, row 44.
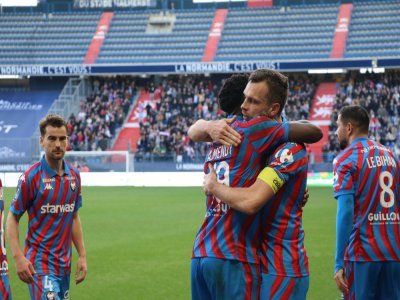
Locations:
column 51, row 296
column 72, row 185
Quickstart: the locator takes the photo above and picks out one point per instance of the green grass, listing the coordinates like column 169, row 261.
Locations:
column 139, row 242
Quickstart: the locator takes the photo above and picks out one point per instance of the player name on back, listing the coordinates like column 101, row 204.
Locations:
column 219, row 152
column 378, row 161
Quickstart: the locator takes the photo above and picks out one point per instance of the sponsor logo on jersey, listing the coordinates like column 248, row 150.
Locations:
column 66, row 295
column 51, row 296
column 48, row 186
column 55, row 209
column 48, row 180
column 384, row 218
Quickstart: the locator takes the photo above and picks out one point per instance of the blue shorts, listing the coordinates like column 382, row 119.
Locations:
column 373, row 280
column 5, row 291
column 49, row 287
column 283, row 287
column 220, row 279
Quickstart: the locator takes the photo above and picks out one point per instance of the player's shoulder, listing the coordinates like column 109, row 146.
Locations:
column 257, row 121
column 73, row 169
column 31, row 172
column 346, row 156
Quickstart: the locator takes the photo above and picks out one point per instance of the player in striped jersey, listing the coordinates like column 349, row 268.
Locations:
column 284, row 263
column 367, row 188
column 50, row 191
column 5, row 290
column 225, row 260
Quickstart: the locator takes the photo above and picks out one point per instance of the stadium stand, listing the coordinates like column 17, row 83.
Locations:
column 171, row 107
column 278, row 33
column 274, row 33
column 373, row 25
column 163, row 127
column 101, row 114
column 380, row 95
column 128, row 42
column 55, row 38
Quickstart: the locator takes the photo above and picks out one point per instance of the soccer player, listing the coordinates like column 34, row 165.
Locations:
column 225, row 260
column 278, row 195
column 5, row 291
column 50, row 191
column 367, row 189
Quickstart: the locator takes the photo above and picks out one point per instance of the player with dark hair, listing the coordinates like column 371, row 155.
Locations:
column 230, row 97
column 5, row 290
column 50, row 191
column 367, row 189
column 225, row 260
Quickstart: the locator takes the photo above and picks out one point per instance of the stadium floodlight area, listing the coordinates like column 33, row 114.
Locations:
column 101, row 161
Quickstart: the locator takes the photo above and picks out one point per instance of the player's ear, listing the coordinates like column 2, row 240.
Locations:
column 274, row 110
column 349, row 128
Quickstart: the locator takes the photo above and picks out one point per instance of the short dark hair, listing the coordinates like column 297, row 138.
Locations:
column 357, row 115
column 278, row 85
column 231, row 97
column 52, row 120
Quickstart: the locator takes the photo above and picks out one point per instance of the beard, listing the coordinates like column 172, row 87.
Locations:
column 343, row 144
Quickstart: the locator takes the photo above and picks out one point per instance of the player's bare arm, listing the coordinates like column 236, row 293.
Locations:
column 215, row 131
column 77, row 238
column 304, row 132
column 247, row 200
column 23, row 266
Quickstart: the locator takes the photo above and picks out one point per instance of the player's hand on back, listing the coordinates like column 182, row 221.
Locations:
column 221, row 132
column 25, row 269
column 210, row 179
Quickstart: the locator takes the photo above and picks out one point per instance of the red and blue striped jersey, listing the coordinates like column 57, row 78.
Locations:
column 51, row 201
column 5, row 291
column 370, row 172
column 282, row 236
column 226, row 233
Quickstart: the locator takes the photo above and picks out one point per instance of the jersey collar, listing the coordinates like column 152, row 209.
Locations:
column 50, row 171
column 359, row 139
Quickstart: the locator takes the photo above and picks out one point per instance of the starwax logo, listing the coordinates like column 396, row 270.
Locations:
column 55, row 209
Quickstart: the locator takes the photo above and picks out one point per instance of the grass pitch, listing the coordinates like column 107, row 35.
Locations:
column 139, row 243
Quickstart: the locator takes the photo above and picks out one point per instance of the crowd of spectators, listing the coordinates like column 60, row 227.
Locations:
column 185, row 99
column 101, row 114
column 182, row 100
column 380, row 95
column 300, row 96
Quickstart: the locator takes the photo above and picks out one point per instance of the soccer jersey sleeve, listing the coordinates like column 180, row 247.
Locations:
column 286, row 161
column 23, row 195
column 79, row 196
column 264, row 133
column 343, row 169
